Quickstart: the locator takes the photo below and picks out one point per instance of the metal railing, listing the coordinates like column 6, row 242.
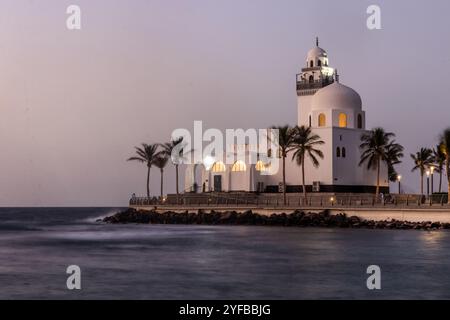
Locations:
column 254, row 200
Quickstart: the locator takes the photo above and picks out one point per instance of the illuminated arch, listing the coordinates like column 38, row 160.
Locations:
column 259, row 166
column 239, row 166
column 342, row 120
column 263, row 167
column 218, row 166
column 322, row 120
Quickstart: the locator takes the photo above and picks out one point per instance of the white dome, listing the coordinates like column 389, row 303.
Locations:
column 315, row 53
column 336, row 96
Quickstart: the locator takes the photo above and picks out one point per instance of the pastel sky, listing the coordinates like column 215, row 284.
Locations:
column 74, row 103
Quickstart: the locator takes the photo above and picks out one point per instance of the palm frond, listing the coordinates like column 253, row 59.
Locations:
column 304, row 142
column 314, row 160
column 377, row 146
column 136, row 159
column 146, row 153
column 160, row 161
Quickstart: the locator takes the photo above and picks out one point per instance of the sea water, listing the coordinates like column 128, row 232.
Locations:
column 212, row 262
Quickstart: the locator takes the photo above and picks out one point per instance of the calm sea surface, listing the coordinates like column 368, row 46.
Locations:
column 207, row 262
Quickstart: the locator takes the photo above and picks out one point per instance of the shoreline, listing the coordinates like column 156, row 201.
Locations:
column 377, row 213
column 296, row 218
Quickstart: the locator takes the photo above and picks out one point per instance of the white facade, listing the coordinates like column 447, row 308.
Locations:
column 335, row 113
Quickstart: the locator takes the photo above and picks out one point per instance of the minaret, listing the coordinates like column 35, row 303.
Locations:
column 316, row 75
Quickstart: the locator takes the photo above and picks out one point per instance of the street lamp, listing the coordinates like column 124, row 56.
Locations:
column 399, row 178
column 432, row 182
column 428, row 183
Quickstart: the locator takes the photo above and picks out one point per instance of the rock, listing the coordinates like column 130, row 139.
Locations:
column 297, row 218
column 436, row 225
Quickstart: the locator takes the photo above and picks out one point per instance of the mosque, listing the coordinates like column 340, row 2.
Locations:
column 335, row 113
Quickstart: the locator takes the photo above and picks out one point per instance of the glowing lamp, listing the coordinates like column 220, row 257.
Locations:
column 208, row 162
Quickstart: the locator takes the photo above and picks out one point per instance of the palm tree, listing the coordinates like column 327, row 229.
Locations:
column 305, row 143
column 375, row 148
column 445, row 148
column 160, row 162
column 286, row 137
column 394, row 152
column 439, row 163
column 174, row 150
column 146, row 154
column 422, row 160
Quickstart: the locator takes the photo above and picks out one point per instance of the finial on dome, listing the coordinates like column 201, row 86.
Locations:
column 317, row 41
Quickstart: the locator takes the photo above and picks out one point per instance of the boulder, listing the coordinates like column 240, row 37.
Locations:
column 297, row 218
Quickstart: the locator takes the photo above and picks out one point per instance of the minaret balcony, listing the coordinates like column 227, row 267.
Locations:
column 317, row 84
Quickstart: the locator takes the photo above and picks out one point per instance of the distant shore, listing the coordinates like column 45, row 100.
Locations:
column 297, row 218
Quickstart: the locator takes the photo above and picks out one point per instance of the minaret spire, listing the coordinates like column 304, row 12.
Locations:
column 317, row 41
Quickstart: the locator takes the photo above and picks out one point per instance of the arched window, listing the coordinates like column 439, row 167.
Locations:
column 342, row 120
column 239, row 166
column 322, row 120
column 343, row 153
column 338, row 152
column 218, row 167
column 310, row 121
column 259, row 166
column 311, row 64
column 360, row 124
column 311, row 79
column 319, row 63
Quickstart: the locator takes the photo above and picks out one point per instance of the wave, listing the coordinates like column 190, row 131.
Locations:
column 95, row 218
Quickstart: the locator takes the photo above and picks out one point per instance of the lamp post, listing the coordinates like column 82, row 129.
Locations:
column 399, row 178
column 432, row 182
column 428, row 183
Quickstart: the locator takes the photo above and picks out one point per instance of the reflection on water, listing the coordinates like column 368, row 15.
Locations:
column 206, row 262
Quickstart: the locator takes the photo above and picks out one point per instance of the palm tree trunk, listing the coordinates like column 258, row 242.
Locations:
column 440, row 181
column 176, row 178
column 162, row 183
column 303, row 178
column 148, row 181
column 447, row 167
column 284, row 180
column 421, row 183
column 378, row 178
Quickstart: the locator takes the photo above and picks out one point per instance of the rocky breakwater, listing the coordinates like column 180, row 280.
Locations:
column 295, row 219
